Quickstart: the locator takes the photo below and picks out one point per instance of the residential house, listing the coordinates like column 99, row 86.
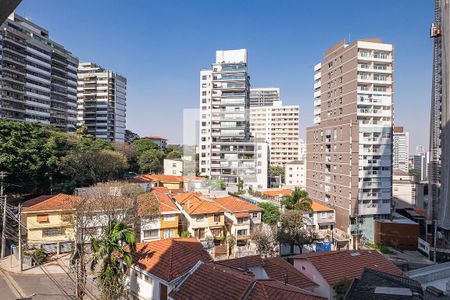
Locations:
column 327, row 269
column 160, row 141
column 241, row 218
column 204, row 218
column 159, row 265
column 378, row 285
column 216, row 281
column 50, row 223
column 172, row 182
column 163, row 225
column 276, row 194
column 322, row 218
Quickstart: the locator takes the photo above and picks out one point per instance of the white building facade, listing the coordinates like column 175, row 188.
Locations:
column 400, row 148
column 227, row 151
column 173, row 167
column 278, row 125
column 101, row 102
column 295, row 174
column 264, row 96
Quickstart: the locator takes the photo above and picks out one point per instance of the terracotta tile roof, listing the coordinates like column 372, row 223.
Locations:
column 316, row 206
column 166, row 204
column 242, row 215
column 275, row 193
column 155, row 138
column 234, row 204
column 244, row 262
column 165, row 178
column 214, row 281
column 336, row 265
column 49, row 203
column 276, row 269
column 197, row 206
column 273, row 289
column 182, row 197
column 169, row 258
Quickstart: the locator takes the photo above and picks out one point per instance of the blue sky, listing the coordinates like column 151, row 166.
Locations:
column 160, row 46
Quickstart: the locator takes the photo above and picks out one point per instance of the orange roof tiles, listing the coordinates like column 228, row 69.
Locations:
column 275, row 193
column 234, row 204
column 51, row 203
column 242, row 215
column 215, row 281
column 198, row 206
column 166, row 204
column 316, row 207
column 335, row 265
column 169, row 258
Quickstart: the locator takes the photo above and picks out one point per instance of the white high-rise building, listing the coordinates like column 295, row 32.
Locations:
column 102, row 102
column 38, row 77
column 226, row 150
column 278, row 125
column 264, row 96
column 400, row 148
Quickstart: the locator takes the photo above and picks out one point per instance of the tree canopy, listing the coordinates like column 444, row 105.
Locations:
column 270, row 214
column 299, row 200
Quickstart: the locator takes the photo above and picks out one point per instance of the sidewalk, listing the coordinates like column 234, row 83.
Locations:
column 11, row 264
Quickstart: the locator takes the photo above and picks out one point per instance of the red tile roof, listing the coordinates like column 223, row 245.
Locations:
column 317, row 207
column 196, row 206
column 275, row 193
column 235, row 204
column 276, row 268
column 169, row 258
column 51, row 203
column 335, row 265
column 166, row 204
column 215, row 281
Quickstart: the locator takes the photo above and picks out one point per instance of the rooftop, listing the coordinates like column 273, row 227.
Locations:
column 235, row 204
column 279, row 192
column 335, row 265
column 317, row 207
column 169, row 258
column 51, row 203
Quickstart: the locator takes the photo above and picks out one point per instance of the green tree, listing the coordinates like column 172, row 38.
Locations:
column 276, row 171
column 293, row 230
column 117, row 242
column 87, row 168
column 174, row 154
column 88, row 143
column 299, row 200
column 270, row 214
column 144, row 145
column 264, row 242
column 150, row 161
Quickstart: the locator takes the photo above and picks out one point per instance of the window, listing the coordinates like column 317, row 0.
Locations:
column 151, row 234
column 255, row 215
column 54, row 231
column 199, row 233
column 169, row 218
column 242, row 232
column 200, row 218
column 42, row 218
column 168, row 233
column 216, row 218
column 240, row 220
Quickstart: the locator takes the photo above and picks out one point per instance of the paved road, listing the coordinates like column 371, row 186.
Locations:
column 43, row 288
column 5, row 291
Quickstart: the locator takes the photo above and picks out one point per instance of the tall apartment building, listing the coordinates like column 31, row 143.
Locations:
column 227, row 151
column 349, row 150
column 420, row 163
column 102, row 102
column 264, row 96
column 400, row 149
column 38, row 81
column 278, row 125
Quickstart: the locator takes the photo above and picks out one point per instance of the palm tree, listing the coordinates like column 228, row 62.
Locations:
column 298, row 200
column 117, row 243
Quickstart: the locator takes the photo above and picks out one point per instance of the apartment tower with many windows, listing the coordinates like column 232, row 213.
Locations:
column 38, row 78
column 400, row 158
column 278, row 125
column 264, row 96
column 227, row 152
column 102, row 102
column 349, row 150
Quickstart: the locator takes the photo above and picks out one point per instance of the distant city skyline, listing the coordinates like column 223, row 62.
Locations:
column 159, row 47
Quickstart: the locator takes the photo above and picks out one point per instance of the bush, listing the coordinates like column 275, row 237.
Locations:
column 39, row 256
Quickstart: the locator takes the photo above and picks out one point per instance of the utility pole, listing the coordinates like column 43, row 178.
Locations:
column 20, row 237
column 3, row 197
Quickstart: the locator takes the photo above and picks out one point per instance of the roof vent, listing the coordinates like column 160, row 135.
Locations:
column 355, row 254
